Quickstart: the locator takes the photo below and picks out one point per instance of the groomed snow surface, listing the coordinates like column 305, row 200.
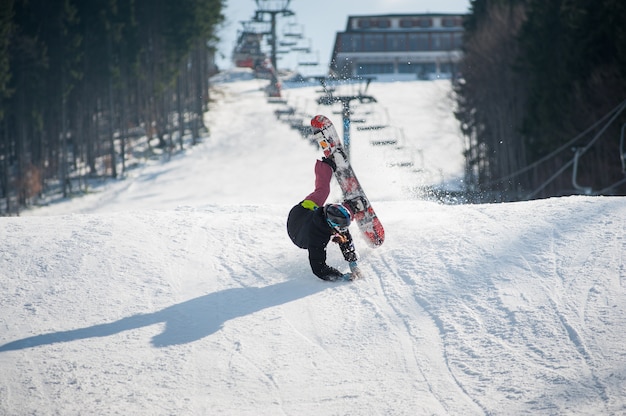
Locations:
column 176, row 290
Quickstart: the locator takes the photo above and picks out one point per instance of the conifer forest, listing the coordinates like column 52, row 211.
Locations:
column 542, row 97
column 540, row 93
column 80, row 79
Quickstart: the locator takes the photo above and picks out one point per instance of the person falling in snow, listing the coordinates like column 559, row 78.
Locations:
column 312, row 225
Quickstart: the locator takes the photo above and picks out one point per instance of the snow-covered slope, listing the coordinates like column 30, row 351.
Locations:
column 177, row 291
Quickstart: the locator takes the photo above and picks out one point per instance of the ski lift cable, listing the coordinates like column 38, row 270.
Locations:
column 595, row 139
column 581, row 151
column 622, row 153
column 553, row 177
column 617, row 110
column 608, row 188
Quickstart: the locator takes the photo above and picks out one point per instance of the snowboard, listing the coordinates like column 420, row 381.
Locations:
column 363, row 213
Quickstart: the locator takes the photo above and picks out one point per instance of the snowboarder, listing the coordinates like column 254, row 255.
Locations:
column 311, row 225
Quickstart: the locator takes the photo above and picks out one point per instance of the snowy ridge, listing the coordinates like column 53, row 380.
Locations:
column 177, row 291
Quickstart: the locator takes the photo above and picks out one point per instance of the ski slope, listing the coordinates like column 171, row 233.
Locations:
column 176, row 291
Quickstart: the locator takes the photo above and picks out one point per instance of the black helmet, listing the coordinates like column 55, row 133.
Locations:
column 337, row 216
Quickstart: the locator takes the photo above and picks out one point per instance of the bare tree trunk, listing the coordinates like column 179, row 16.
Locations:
column 111, row 111
column 180, row 108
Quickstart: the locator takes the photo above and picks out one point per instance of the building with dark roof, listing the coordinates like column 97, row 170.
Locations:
column 399, row 46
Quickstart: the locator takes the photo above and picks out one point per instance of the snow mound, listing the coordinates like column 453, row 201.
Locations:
column 498, row 309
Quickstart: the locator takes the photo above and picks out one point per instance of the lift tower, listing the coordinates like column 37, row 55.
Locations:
column 329, row 99
column 273, row 8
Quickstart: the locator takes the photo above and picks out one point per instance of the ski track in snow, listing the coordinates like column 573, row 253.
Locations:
column 177, row 291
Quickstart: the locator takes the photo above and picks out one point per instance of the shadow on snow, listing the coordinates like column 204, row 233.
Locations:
column 188, row 321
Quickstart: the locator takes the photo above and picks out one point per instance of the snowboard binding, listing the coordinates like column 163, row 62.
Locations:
column 357, row 204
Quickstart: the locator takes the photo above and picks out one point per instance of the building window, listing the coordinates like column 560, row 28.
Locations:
column 457, row 40
column 384, row 23
column 377, row 68
column 445, row 41
column 351, row 42
column 435, row 42
column 424, row 22
column 407, row 68
column 396, row 42
column 373, row 42
column 345, row 42
column 421, row 69
column 407, row 23
column 419, row 42
column 451, row 22
column 446, row 68
column 374, row 23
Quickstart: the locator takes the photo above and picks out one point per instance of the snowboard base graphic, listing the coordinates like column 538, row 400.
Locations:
column 355, row 198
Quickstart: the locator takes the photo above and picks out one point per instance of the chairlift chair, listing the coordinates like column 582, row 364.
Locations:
column 304, row 47
column 308, row 60
column 293, row 30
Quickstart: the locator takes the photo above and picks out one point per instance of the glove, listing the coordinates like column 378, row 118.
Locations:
column 339, row 238
column 330, row 163
column 350, row 256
